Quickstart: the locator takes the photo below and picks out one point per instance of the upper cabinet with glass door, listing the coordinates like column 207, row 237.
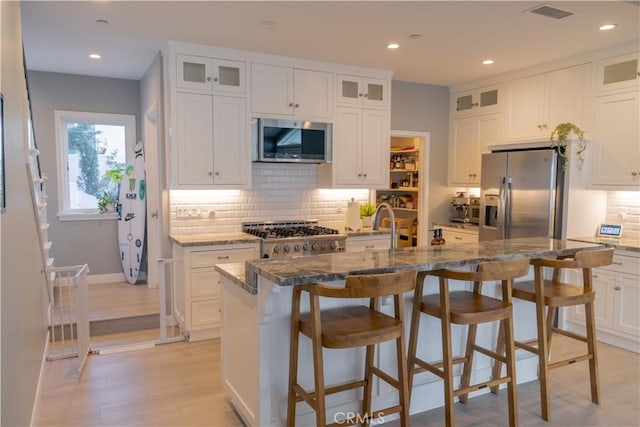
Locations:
column 620, row 72
column 211, row 74
column 477, row 101
column 363, row 91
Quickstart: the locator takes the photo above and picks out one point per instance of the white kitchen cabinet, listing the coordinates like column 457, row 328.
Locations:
column 477, row 101
column 615, row 149
column 364, row 91
column 458, row 235
column 360, row 148
column 617, row 294
column 211, row 145
column 197, row 285
column 371, row 242
column 620, row 72
column 469, row 138
column 535, row 105
column 210, row 74
column 291, row 91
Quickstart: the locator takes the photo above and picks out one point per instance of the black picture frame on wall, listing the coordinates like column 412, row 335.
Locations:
column 3, row 193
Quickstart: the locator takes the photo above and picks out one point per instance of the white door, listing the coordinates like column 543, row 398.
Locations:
column 195, row 139
column 524, row 100
column 271, row 89
column 154, row 194
column 230, row 151
column 313, row 91
column 567, row 91
column 461, row 151
column 346, row 146
column 375, row 148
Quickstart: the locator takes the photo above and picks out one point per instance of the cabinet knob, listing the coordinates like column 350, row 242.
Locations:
column 366, row 95
column 215, row 79
column 544, row 126
column 617, row 288
column 217, row 173
column 291, row 104
column 210, row 174
column 359, row 174
column 634, row 173
column 223, row 257
column 364, row 175
column 360, row 95
column 616, row 263
column 208, row 79
column 297, row 105
column 475, row 104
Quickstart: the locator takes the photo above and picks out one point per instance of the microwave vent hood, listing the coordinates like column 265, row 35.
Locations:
column 291, row 141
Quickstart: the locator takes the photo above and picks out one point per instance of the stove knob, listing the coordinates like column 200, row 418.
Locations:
column 276, row 249
column 334, row 245
column 296, row 248
column 305, row 247
column 314, row 247
column 286, row 248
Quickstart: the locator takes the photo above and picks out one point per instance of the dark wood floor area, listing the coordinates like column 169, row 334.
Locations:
column 179, row 385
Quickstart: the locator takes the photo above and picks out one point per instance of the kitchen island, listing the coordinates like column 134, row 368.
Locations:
column 256, row 316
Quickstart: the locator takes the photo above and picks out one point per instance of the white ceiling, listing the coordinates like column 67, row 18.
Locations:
column 455, row 35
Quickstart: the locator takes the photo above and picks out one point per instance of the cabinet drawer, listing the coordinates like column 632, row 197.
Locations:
column 205, row 283
column 205, row 313
column 204, row 259
column 624, row 264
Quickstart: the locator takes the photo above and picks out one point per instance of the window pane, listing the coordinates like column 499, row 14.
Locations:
column 92, row 150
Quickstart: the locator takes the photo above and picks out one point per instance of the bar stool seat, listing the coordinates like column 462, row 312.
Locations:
column 349, row 327
column 550, row 294
column 468, row 308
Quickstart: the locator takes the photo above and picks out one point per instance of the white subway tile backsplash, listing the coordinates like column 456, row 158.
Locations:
column 623, row 207
column 279, row 191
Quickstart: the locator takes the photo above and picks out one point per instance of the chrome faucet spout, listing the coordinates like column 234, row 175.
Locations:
column 392, row 217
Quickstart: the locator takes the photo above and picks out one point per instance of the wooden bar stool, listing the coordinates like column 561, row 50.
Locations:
column 467, row 308
column 553, row 294
column 348, row 327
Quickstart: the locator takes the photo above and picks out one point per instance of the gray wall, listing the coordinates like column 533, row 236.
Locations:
column 421, row 107
column 79, row 242
column 23, row 328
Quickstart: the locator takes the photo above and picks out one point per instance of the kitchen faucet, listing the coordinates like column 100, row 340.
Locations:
column 392, row 218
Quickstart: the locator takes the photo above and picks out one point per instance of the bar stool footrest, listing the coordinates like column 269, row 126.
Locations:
column 569, row 361
column 475, row 387
column 570, row 334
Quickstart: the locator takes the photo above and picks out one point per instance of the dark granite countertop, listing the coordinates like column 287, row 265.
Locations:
column 328, row 267
column 461, row 225
column 622, row 243
column 206, row 239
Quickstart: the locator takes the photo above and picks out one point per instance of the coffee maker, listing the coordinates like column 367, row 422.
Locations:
column 460, row 208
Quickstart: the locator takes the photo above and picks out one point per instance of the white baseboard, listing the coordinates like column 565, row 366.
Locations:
column 40, row 375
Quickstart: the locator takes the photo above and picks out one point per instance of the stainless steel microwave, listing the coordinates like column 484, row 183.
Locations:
column 299, row 141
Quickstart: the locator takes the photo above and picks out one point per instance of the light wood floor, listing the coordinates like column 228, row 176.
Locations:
column 179, row 385
column 118, row 300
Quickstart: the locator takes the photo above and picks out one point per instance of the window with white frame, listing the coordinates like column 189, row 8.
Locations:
column 88, row 146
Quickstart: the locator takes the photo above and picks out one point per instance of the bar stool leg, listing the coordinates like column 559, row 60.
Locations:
column 403, row 382
column 497, row 365
column 543, row 355
column 318, row 365
column 551, row 318
column 368, row 378
column 592, row 347
column 465, row 380
column 511, row 370
column 447, row 355
column 415, row 329
column 293, row 361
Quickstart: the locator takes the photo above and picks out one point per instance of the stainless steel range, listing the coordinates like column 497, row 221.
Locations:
column 285, row 239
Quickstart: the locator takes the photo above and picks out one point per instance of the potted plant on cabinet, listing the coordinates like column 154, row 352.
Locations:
column 108, row 200
column 366, row 212
column 559, row 138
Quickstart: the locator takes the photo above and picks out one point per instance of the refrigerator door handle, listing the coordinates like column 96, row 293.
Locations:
column 500, row 219
column 508, row 210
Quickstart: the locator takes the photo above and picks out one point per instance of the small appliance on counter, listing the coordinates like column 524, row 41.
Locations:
column 465, row 208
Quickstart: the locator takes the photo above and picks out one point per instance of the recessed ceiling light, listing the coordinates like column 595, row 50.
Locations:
column 101, row 21
column 488, row 61
column 393, row 45
column 95, row 56
column 267, row 24
column 607, row 27
column 415, row 36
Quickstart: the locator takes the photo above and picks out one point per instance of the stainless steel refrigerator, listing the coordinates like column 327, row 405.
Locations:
column 521, row 195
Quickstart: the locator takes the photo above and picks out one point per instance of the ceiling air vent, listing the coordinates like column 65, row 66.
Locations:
column 550, row 12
